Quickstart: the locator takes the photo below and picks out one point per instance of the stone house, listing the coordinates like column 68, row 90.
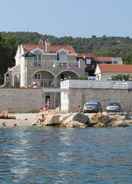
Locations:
column 44, row 65
column 107, row 71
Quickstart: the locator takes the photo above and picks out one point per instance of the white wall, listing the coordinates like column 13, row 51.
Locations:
column 64, row 101
column 20, row 60
column 76, row 92
column 98, row 73
column 117, row 60
column 23, row 73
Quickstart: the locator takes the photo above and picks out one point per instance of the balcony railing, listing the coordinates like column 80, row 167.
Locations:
column 43, row 83
column 49, row 63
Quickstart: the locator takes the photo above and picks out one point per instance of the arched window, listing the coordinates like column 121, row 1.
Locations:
column 38, row 56
column 37, row 76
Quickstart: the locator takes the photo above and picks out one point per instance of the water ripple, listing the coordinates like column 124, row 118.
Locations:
column 65, row 156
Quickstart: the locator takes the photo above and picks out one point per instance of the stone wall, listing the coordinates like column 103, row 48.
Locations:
column 75, row 93
column 55, row 71
column 80, row 96
column 20, row 100
column 27, row 100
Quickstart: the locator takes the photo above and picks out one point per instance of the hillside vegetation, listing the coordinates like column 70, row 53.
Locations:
column 104, row 46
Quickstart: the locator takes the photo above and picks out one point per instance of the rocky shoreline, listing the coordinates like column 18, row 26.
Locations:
column 81, row 120
column 65, row 120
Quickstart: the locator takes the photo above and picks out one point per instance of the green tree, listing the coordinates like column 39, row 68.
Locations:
column 7, row 52
column 121, row 77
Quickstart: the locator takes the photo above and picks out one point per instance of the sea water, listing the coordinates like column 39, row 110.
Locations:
column 66, row 156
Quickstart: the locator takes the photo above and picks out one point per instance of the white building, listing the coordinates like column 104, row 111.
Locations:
column 107, row 71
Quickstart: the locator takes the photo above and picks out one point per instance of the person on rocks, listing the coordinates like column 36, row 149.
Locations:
column 79, row 108
column 15, row 125
column 4, row 124
column 41, row 120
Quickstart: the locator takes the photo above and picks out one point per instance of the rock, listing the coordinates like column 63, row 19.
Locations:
column 118, row 117
column 119, row 121
column 52, row 120
column 99, row 125
column 73, row 124
column 82, row 118
column 129, row 122
column 74, row 120
column 100, row 120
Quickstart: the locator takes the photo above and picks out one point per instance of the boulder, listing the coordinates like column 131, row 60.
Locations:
column 99, row 125
column 119, row 121
column 75, row 120
column 100, row 120
column 81, row 118
column 73, row 124
column 129, row 122
column 52, row 120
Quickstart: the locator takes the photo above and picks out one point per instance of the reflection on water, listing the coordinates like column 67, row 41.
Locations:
column 65, row 156
column 20, row 168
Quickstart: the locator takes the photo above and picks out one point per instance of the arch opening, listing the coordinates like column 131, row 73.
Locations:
column 43, row 79
column 66, row 75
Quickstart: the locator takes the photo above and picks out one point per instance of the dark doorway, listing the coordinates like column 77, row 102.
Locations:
column 47, row 100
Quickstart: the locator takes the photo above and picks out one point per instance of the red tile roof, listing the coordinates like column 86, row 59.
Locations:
column 56, row 48
column 86, row 55
column 103, row 59
column 98, row 59
column 29, row 46
column 118, row 68
column 51, row 48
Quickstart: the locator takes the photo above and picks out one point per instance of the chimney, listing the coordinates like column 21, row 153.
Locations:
column 46, row 44
column 41, row 43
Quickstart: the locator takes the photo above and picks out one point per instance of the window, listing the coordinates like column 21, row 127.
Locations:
column 115, row 62
column 37, row 76
column 58, row 58
column 62, row 56
column 37, row 60
column 88, row 61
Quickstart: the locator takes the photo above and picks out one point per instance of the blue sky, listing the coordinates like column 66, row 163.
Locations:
column 68, row 17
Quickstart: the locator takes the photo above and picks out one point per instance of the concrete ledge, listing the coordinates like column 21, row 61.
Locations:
column 85, row 84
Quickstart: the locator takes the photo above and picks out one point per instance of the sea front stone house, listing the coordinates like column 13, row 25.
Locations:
column 45, row 65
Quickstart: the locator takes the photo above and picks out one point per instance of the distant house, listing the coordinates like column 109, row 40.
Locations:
column 90, row 57
column 91, row 61
column 108, row 60
column 106, row 71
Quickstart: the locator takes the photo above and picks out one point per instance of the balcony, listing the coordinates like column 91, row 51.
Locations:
column 49, row 63
column 43, row 83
